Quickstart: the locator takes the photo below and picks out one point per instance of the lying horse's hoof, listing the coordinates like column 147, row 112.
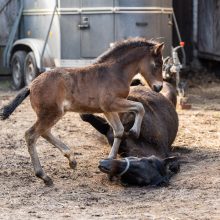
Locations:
column 73, row 164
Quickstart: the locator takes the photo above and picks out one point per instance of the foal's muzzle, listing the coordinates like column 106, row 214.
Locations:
column 157, row 87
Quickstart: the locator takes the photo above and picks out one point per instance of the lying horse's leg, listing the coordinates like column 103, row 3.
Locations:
column 100, row 124
column 62, row 147
column 31, row 136
column 118, row 130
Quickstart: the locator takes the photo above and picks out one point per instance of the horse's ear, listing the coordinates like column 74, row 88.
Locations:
column 170, row 159
column 158, row 48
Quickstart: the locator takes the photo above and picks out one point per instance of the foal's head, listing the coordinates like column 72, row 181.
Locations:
column 151, row 65
column 146, row 56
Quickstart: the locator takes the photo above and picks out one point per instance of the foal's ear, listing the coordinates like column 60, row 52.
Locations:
column 157, row 50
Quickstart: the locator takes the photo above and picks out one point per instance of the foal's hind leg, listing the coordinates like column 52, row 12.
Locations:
column 118, row 130
column 42, row 128
column 31, row 136
column 62, row 147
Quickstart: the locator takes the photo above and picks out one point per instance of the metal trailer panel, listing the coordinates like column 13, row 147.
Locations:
column 167, row 3
column 166, row 33
column 150, row 19
column 138, row 3
column 8, row 12
column 69, row 3
column 39, row 4
column 96, row 3
column 143, row 3
column 70, row 36
column 137, row 24
column 85, row 28
column 69, row 33
column 97, row 38
column 35, row 24
column 94, row 39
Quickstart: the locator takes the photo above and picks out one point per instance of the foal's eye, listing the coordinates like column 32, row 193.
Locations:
column 152, row 65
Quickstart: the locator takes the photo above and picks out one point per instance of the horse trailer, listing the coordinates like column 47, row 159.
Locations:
column 40, row 34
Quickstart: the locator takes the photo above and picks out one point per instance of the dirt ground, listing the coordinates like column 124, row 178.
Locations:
column 86, row 193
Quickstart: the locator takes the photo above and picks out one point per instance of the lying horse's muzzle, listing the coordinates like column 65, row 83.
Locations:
column 105, row 165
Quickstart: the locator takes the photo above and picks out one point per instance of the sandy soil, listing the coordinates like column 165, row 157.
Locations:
column 85, row 193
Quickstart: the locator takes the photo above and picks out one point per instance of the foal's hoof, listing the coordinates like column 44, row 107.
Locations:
column 48, row 181
column 125, row 135
column 134, row 134
column 73, row 164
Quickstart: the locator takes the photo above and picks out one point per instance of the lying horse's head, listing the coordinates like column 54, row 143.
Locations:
column 141, row 171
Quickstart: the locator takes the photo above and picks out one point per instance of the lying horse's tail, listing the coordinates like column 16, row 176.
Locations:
column 7, row 110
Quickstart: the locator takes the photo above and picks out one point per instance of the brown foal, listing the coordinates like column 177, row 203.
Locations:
column 102, row 87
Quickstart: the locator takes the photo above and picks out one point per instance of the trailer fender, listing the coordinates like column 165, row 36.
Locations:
column 35, row 45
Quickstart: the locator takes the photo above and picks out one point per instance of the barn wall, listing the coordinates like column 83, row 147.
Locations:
column 184, row 15
column 209, row 29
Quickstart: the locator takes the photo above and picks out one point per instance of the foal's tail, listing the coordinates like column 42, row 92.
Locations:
column 7, row 110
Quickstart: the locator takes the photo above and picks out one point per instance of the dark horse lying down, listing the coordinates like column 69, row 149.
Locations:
column 146, row 159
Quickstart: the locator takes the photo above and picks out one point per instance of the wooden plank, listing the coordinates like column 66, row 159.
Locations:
column 216, row 28
column 205, row 26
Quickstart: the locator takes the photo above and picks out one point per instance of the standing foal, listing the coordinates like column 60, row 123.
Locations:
column 102, row 87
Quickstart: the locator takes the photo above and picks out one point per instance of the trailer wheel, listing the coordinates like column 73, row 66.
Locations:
column 30, row 68
column 17, row 69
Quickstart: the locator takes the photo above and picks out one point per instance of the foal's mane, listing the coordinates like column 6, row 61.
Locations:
column 121, row 47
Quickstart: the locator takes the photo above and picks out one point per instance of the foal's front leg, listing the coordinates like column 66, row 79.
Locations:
column 31, row 136
column 124, row 105
column 118, row 130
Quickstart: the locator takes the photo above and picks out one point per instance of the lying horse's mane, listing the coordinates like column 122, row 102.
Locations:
column 119, row 47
